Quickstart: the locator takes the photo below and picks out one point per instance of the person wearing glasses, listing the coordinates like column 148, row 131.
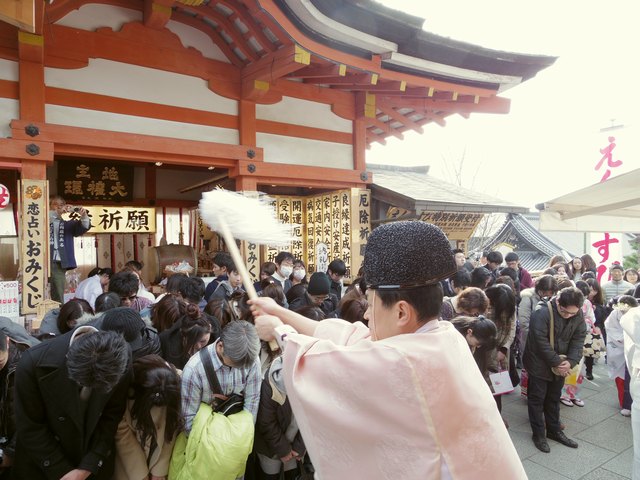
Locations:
column 540, row 356
column 402, row 398
column 126, row 285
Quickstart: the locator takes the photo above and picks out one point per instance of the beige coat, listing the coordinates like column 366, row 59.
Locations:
column 131, row 456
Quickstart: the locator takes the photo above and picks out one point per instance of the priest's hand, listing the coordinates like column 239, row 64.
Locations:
column 265, row 306
column 265, row 326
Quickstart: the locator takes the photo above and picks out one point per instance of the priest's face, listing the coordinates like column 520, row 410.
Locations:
column 380, row 318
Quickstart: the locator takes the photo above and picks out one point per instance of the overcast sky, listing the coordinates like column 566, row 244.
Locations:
column 548, row 145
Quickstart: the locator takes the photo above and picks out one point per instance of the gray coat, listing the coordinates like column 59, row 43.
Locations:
column 569, row 334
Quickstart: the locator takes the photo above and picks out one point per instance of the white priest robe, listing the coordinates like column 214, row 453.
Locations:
column 412, row 406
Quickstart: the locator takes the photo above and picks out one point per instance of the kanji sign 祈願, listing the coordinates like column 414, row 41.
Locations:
column 119, row 219
column 34, row 243
column 82, row 181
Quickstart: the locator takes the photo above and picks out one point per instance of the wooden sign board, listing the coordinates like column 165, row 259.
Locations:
column 119, row 219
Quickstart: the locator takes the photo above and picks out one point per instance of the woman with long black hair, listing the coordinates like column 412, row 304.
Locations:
column 193, row 331
column 502, row 310
column 147, row 431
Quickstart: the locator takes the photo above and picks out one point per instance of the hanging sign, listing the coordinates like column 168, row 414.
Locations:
column 34, row 243
column 82, row 181
column 118, row 219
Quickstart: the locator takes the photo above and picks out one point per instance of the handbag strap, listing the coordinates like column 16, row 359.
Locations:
column 210, row 371
column 551, row 327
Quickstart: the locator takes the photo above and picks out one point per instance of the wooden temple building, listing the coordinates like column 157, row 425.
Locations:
column 134, row 107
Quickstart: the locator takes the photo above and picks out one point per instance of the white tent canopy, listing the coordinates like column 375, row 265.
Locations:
column 610, row 206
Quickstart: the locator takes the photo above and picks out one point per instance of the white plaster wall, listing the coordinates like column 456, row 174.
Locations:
column 122, row 80
column 303, row 112
column 190, row 37
column 9, row 109
column 9, row 70
column 93, row 16
column 301, row 151
column 79, row 117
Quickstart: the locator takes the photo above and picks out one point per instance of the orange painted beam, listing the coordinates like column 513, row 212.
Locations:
column 385, row 127
column 288, row 174
column 293, row 182
column 76, row 141
column 246, row 184
column 393, row 114
column 373, row 137
column 58, row 9
column 157, row 13
column 382, row 88
column 371, row 65
column 18, row 149
column 138, row 45
column 347, row 81
column 273, row 66
column 31, row 74
column 325, row 71
column 247, row 122
column 9, row 89
column 214, row 35
column 359, row 144
column 255, row 29
column 105, row 103
column 484, row 105
column 34, row 170
column 8, row 42
column 265, row 19
column 343, row 103
column 300, row 131
column 213, row 15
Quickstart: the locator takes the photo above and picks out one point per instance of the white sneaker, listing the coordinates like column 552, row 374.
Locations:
column 625, row 412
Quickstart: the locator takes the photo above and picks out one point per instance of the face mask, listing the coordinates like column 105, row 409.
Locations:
column 286, row 271
column 299, row 274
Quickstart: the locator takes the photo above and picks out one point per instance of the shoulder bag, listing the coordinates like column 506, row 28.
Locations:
column 234, row 403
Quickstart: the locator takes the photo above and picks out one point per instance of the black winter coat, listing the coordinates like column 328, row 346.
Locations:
column 271, row 425
column 569, row 335
column 7, row 380
column 53, row 438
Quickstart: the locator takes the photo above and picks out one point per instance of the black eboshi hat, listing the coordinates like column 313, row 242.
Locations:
column 407, row 254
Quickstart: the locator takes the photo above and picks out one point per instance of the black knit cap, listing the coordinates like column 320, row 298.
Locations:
column 126, row 321
column 407, row 254
column 319, row 284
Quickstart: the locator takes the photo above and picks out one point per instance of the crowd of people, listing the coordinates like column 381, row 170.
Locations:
column 117, row 362
column 563, row 318
column 117, row 381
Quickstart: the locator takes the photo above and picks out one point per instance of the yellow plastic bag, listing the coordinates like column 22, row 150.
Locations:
column 216, row 449
column 574, row 375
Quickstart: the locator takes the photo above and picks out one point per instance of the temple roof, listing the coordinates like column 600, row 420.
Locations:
column 413, row 187
column 533, row 248
column 370, row 62
column 409, row 43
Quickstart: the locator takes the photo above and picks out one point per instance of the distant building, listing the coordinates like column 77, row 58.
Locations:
column 534, row 248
